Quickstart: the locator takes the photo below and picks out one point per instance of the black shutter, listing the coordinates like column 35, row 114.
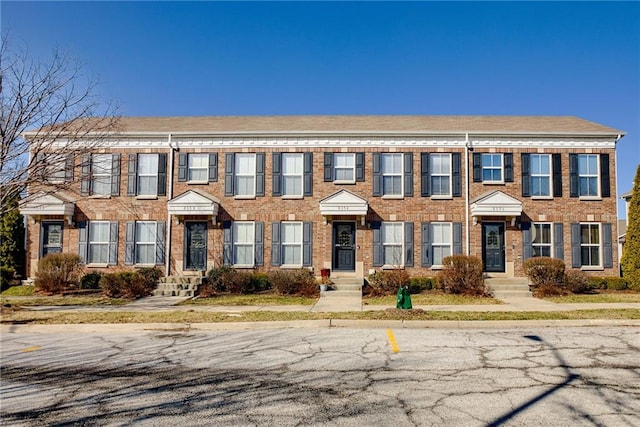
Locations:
column 85, row 175
column 276, row 259
column 229, row 164
column 130, row 243
column 573, row 176
column 328, row 167
column 183, row 167
column 557, row 174
column 259, row 244
column 113, row 243
column 408, row 174
column 276, row 174
column 359, row 167
column 605, row 186
column 376, row 229
column 227, row 242
column 508, row 167
column 213, row 167
column 425, row 245
column 307, row 176
column 457, row 238
column 260, row 174
column 576, row 257
column 477, row 167
column 160, row 242
column 425, row 175
column 607, row 245
column 526, row 179
column 82, row 242
column 456, row 167
column 307, row 243
column 558, row 240
column 115, row 174
column 68, row 168
column 162, row 174
column 408, row 244
column 377, row 175
column 132, row 175
column 527, row 244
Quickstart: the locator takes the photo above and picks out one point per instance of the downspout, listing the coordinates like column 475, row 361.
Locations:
column 467, row 146
column 167, row 246
column 617, row 235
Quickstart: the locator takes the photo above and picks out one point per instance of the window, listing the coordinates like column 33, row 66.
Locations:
column 55, row 167
column 392, row 242
column 243, row 241
column 392, row 174
column 442, row 241
column 292, row 174
column 440, row 174
column 344, row 167
column 590, row 245
column 541, row 240
column 148, row 174
column 291, row 243
column 198, row 165
column 99, row 242
column 492, row 167
column 101, row 166
column 245, row 175
column 145, row 242
column 540, row 175
column 588, row 175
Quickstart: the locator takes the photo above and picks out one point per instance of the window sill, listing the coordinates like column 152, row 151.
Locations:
column 392, row 197
column 97, row 265
column 592, row 268
column 244, row 197
column 591, row 198
column 100, row 196
column 437, row 267
column 392, row 267
column 344, row 182
column 197, row 182
column 147, row 197
column 541, row 197
column 292, row 197
column 144, row 265
column 493, row 182
column 244, row 266
column 441, row 197
column 291, row 267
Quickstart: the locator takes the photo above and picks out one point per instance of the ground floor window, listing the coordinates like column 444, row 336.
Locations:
column 441, row 241
column 99, row 242
column 291, row 243
column 392, row 242
column 590, row 252
column 541, row 240
column 145, row 242
column 243, row 241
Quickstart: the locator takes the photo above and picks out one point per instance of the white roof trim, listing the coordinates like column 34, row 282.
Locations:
column 193, row 203
column 496, row 203
column 343, row 203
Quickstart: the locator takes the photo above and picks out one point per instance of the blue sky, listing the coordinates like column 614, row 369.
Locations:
column 242, row 58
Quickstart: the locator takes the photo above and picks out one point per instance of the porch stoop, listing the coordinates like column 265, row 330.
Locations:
column 508, row 287
column 178, row 286
column 345, row 295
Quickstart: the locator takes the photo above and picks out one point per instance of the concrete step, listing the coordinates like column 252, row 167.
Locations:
column 181, row 293
column 512, row 294
column 509, row 287
column 197, row 280
column 341, row 294
column 176, row 286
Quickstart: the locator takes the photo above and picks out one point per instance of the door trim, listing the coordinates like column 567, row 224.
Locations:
column 333, row 245
column 504, row 249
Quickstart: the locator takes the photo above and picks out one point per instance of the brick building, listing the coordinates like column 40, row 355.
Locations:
column 345, row 193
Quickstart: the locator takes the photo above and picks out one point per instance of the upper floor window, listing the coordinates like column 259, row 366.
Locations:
column 540, row 175
column 392, row 174
column 147, row 175
column 589, row 175
column 345, row 167
column 197, row 168
column 292, row 173
column 101, row 174
column 493, row 168
column 244, row 175
column 440, row 169
column 54, row 168
column 541, row 240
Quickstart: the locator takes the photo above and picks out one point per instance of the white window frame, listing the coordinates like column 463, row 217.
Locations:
column 98, row 243
column 55, row 171
column 399, row 174
column 599, row 245
column 146, row 243
column 299, row 176
column 237, row 174
column 153, row 174
column 190, row 168
column 590, row 175
column 492, row 167
column 351, row 166
column 435, row 174
column 385, row 245
column 101, row 177
column 535, row 233
column 438, row 244
column 539, row 175
column 247, row 244
column 284, row 243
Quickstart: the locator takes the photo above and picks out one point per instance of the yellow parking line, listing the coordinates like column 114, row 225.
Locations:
column 30, row 349
column 392, row 341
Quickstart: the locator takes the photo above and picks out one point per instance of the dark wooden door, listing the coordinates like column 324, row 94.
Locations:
column 51, row 238
column 344, row 246
column 493, row 247
column 195, row 246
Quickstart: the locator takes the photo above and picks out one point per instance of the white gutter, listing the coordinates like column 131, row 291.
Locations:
column 167, row 245
column 466, row 190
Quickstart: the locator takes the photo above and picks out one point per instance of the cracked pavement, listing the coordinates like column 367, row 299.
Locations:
column 578, row 376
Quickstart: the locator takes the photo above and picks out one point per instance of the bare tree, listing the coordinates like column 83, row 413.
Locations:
column 49, row 114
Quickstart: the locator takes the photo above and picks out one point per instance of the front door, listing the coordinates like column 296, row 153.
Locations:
column 493, row 246
column 51, row 238
column 195, row 246
column 344, row 246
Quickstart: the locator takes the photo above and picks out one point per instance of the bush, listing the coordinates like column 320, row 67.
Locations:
column 545, row 271
column 596, row 282
column 294, row 282
column 388, row 282
column 616, row 283
column 259, row 282
column 153, row 274
column 129, row 284
column 90, row 281
column 462, row 274
column 57, row 272
column 6, row 277
column 420, row 284
column 577, row 282
column 214, row 282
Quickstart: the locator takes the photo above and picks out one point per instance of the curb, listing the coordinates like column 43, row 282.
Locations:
column 311, row 324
